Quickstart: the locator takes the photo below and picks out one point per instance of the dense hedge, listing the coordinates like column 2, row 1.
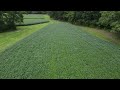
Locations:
column 110, row 20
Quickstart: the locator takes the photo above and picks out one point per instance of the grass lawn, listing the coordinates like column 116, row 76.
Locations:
column 34, row 19
column 61, row 50
column 34, row 16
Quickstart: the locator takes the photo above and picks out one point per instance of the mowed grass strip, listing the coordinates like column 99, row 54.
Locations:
column 34, row 16
column 32, row 19
column 61, row 50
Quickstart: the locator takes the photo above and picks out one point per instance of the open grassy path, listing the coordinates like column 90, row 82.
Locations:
column 61, row 50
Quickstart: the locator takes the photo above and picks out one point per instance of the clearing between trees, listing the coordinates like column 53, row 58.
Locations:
column 60, row 50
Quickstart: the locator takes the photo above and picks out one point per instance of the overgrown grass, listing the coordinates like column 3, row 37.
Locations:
column 61, row 50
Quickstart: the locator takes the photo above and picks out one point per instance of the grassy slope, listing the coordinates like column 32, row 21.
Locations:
column 102, row 34
column 9, row 38
column 61, row 50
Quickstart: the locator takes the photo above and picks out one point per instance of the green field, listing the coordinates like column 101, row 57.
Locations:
column 33, row 16
column 32, row 19
column 59, row 50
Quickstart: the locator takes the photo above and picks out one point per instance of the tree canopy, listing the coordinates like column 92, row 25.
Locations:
column 110, row 20
column 8, row 20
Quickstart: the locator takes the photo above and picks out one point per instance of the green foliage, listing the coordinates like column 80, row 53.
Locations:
column 9, row 18
column 110, row 20
column 56, row 14
column 69, row 16
column 2, row 23
column 87, row 17
column 77, row 17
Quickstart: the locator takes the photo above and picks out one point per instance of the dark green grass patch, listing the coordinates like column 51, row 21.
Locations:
column 61, row 50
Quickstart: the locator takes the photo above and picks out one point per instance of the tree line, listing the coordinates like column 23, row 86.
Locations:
column 109, row 20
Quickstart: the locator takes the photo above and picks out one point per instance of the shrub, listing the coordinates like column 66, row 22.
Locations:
column 8, row 20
